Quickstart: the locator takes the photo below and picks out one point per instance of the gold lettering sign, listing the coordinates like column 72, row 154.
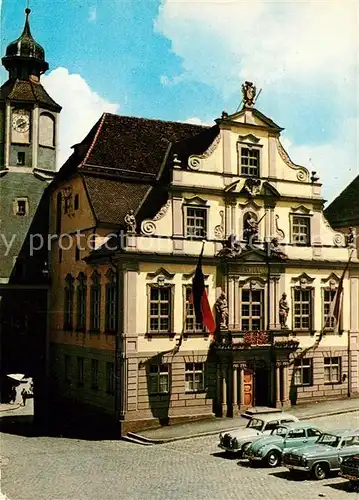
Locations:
column 253, row 270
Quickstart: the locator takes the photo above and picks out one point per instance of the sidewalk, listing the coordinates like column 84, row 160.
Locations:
column 8, row 406
column 216, row 425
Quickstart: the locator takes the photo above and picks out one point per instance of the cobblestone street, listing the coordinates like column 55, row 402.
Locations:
column 58, row 468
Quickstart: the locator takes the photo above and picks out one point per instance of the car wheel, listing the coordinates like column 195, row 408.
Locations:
column 320, row 471
column 273, row 458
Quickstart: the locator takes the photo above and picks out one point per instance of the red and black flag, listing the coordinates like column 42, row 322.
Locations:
column 337, row 303
column 201, row 305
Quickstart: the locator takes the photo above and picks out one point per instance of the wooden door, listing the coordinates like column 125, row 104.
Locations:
column 248, row 387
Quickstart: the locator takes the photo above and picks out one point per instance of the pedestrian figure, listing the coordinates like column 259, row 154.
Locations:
column 24, row 396
column 13, row 395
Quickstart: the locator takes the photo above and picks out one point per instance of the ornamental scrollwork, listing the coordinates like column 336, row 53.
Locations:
column 162, row 211
column 303, row 173
column 148, row 227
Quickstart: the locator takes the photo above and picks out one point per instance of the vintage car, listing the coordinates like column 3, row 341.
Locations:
column 349, row 469
column 325, row 455
column 237, row 440
column 269, row 449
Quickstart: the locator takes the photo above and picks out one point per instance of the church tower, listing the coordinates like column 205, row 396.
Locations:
column 28, row 143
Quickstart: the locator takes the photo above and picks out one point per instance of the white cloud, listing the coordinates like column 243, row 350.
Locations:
column 167, row 81
column 81, row 108
column 304, row 50
column 194, row 120
column 224, row 42
column 337, row 162
column 92, row 15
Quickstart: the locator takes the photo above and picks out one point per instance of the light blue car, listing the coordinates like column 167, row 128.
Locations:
column 269, row 449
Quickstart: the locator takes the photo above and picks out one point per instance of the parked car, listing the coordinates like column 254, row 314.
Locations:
column 325, row 455
column 238, row 439
column 349, row 469
column 269, row 449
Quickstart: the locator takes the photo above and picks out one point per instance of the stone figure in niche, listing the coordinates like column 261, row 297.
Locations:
column 130, row 221
column 283, row 311
column 222, row 309
column 250, row 230
column 351, row 237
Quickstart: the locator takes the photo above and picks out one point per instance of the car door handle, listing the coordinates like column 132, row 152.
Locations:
column 305, row 441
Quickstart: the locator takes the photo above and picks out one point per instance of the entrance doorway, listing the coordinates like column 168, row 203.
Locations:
column 262, row 387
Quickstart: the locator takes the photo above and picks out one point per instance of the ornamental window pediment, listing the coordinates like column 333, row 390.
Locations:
column 331, row 281
column 303, row 281
column 160, row 277
column 256, row 283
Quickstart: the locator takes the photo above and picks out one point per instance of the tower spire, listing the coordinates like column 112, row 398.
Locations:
column 24, row 56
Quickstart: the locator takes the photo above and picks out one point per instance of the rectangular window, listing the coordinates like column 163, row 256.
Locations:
column 94, row 374
column 80, row 371
column 303, row 309
column 303, row 372
column 111, row 307
column 194, row 377
column 191, row 323
column 332, row 370
column 159, row 379
column 77, row 253
column 301, row 230
column 76, row 202
column 67, row 368
column 250, row 162
column 21, row 207
column 69, row 307
column 252, row 310
column 160, row 309
column 20, row 158
column 328, row 299
column 110, row 378
column 196, row 222
column 95, row 307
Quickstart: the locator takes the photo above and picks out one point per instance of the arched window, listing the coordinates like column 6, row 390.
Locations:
column 81, row 302
column 68, row 302
column 95, row 302
column 47, row 130
column 111, row 302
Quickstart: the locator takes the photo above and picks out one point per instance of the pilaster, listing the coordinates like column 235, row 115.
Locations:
column 35, row 135
column 177, row 216
column 7, row 134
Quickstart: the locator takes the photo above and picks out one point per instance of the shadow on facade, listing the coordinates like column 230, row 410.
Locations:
column 160, row 403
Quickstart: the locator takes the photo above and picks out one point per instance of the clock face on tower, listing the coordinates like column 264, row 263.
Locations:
column 21, row 121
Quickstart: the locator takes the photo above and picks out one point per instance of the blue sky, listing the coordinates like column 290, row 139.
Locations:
column 181, row 60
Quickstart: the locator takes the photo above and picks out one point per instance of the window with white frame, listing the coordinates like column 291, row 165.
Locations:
column 196, row 222
column 332, row 370
column 328, row 299
column 110, row 378
column 302, row 313
column 250, row 161
column 194, row 377
column 159, row 379
column 301, row 230
column 252, row 309
column 190, row 317
column 160, row 309
column 303, row 372
column 95, row 302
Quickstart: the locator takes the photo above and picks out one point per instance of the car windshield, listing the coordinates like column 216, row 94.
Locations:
column 329, row 440
column 256, row 424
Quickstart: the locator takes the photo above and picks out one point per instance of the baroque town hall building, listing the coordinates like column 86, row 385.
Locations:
column 124, row 340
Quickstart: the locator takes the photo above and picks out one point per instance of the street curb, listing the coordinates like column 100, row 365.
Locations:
column 9, row 409
column 213, row 433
